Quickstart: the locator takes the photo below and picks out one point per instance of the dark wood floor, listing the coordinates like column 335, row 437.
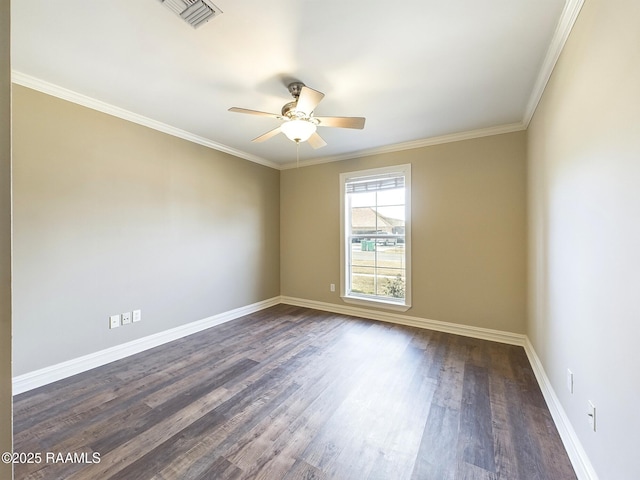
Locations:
column 293, row 393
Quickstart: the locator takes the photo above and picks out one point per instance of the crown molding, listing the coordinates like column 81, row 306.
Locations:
column 426, row 142
column 563, row 29
column 49, row 88
column 34, row 83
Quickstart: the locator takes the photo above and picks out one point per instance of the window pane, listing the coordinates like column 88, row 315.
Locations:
column 363, row 253
column 390, row 283
column 363, row 280
column 375, row 225
column 378, row 262
column 363, row 220
column 391, row 197
column 363, row 199
column 391, row 257
column 390, row 220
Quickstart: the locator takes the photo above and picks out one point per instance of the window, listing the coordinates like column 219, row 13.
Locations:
column 375, row 252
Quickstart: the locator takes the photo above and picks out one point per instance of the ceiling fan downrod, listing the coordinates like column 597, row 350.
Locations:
column 295, row 88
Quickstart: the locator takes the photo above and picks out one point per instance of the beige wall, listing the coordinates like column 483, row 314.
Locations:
column 584, row 193
column 110, row 216
column 5, row 238
column 469, row 238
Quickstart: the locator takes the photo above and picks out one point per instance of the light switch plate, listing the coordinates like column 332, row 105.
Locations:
column 591, row 413
column 114, row 321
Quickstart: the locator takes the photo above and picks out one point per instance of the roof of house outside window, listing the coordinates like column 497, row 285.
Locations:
column 367, row 219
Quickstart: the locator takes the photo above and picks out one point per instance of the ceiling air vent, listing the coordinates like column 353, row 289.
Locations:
column 194, row 12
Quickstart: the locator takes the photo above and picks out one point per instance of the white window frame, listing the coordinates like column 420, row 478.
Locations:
column 345, row 244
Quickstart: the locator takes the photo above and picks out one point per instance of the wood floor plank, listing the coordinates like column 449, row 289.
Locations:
column 542, row 423
column 531, row 464
column 303, row 471
column 247, row 407
column 468, row 471
column 476, row 426
column 506, row 460
column 438, row 452
column 220, row 469
column 385, row 443
column 309, row 413
column 451, row 373
column 407, row 417
column 294, row 393
column 348, row 436
column 244, row 452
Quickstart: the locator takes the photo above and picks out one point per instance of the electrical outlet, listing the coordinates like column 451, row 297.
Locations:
column 137, row 315
column 332, row 287
column 114, row 321
column 591, row 413
column 126, row 318
column 569, row 381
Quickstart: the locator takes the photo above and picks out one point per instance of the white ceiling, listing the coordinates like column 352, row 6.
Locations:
column 417, row 70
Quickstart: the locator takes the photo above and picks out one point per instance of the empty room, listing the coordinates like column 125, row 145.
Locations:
column 310, row 239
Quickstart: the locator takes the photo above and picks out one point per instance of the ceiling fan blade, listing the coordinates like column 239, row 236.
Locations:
column 254, row 112
column 308, row 100
column 267, row 136
column 341, row 122
column 316, row 141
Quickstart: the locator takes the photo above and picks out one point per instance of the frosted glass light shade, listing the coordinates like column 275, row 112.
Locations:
column 298, row 130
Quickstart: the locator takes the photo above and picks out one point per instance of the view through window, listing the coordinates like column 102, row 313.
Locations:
column 375, row 242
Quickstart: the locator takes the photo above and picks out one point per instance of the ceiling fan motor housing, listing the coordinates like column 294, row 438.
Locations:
column 295, row 88
column 290, row 111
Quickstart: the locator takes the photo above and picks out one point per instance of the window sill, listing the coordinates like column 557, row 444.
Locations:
column 373, row 302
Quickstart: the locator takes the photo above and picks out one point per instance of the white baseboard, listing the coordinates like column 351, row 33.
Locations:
column 53, row 373
column 581, row 464
column 457, row 329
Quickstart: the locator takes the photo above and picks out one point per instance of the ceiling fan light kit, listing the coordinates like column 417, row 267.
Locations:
column 299, row 123
column 298, row 130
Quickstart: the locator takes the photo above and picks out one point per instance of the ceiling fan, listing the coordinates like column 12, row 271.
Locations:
column 299, row 124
